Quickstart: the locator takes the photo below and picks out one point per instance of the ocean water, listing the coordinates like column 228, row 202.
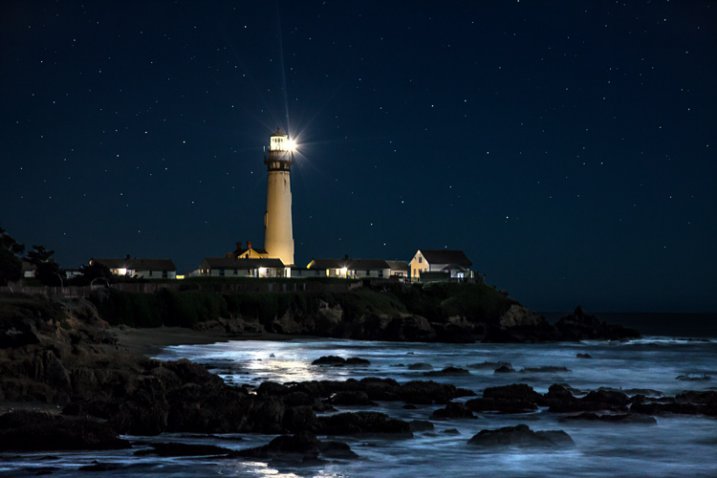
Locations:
column 675, row 446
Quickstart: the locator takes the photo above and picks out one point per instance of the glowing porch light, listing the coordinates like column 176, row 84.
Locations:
column 122, row 271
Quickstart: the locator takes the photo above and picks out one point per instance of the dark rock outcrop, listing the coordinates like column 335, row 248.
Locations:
column 521, row 436
column 452, row 410
column 31, row 430
column 582, row 326
column 363, row 423
column 516, row 398
column 612, row 418
column 301, row 447
column 447, row 372
column 335, row 361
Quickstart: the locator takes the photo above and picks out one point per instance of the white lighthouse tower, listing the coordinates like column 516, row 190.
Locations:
column 278, row 229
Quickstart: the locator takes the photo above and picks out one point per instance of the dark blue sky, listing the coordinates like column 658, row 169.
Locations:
column 570, row 148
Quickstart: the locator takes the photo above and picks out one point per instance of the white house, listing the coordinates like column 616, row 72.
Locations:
column 140, row 268
column 440, row 263
column 358, row 268
column 231, row 267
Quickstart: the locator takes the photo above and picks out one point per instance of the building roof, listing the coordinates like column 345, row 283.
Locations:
column 138, row 264
column 231, row 263
column 446, row 256
column 397, row 265
column 351, row 264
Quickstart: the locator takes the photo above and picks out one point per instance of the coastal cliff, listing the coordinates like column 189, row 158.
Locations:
column 394, row 312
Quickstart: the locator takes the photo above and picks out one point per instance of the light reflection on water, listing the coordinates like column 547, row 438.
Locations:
column 675, row 446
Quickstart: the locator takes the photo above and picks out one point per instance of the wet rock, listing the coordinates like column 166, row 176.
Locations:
column 272, row 388
column 301, row 447
column 420, row 366
column 31, row 430
column 447, row 372
column 353, row 423
column 612, row 418
column 429, row 392
column 583, row 355
column 182, row 449
column 489, row 365
column 687, row 403
column 420, row 425
column 516, row 398
column 381, row 388
column 504, row 369
column 451, row 431
column 100, row 466
column 452, row 410
column 521, row 436
column 545, row 369
column 350, row 398
column 561, row 400
column 333, row 360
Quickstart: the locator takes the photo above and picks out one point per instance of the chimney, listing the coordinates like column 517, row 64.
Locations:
column 248, row 244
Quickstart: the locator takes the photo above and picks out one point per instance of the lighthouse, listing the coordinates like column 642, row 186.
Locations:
column 278, row 229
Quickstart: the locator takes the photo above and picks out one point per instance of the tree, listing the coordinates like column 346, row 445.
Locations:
column 94, row 270
column 10, row 263
column 46, row 269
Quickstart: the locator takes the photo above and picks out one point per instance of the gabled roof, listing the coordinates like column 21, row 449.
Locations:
column 231, row 263
column 138, row 264
column 446, row 256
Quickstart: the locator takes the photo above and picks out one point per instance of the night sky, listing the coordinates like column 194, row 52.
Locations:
column 570, row 148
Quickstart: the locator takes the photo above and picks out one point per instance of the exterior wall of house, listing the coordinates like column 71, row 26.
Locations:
column 149, row 274
column 418, row 265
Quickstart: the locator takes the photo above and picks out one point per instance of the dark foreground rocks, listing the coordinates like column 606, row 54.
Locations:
column 32, row 431
column 336, row 361
column 521, row 436
column 301, row 447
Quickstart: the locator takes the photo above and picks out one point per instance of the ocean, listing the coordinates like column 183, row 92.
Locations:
column 676, row 446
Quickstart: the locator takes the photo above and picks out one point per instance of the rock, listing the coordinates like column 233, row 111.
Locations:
column 516, row 398
column 350, row 398
column 353, row 423
column 357, row 361
column 33, row 431
column 544, row 369
column 521, row 436
column 490, row 365
column 272, row 388
column 610, row 418
column 582, row 326
column 182, row 449
column 420, row 425
column 452, row 410
column 420, row 366
column 451, row 431
column 429, row 392
column 504, row 369
column 519, row 316
column 447, row 372
column 560, row 399
column 300, row 447
column 583, row 355
column 335, row 361
column 99, row 466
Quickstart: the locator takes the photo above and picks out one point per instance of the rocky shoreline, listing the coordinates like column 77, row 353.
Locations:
column 90, row 391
